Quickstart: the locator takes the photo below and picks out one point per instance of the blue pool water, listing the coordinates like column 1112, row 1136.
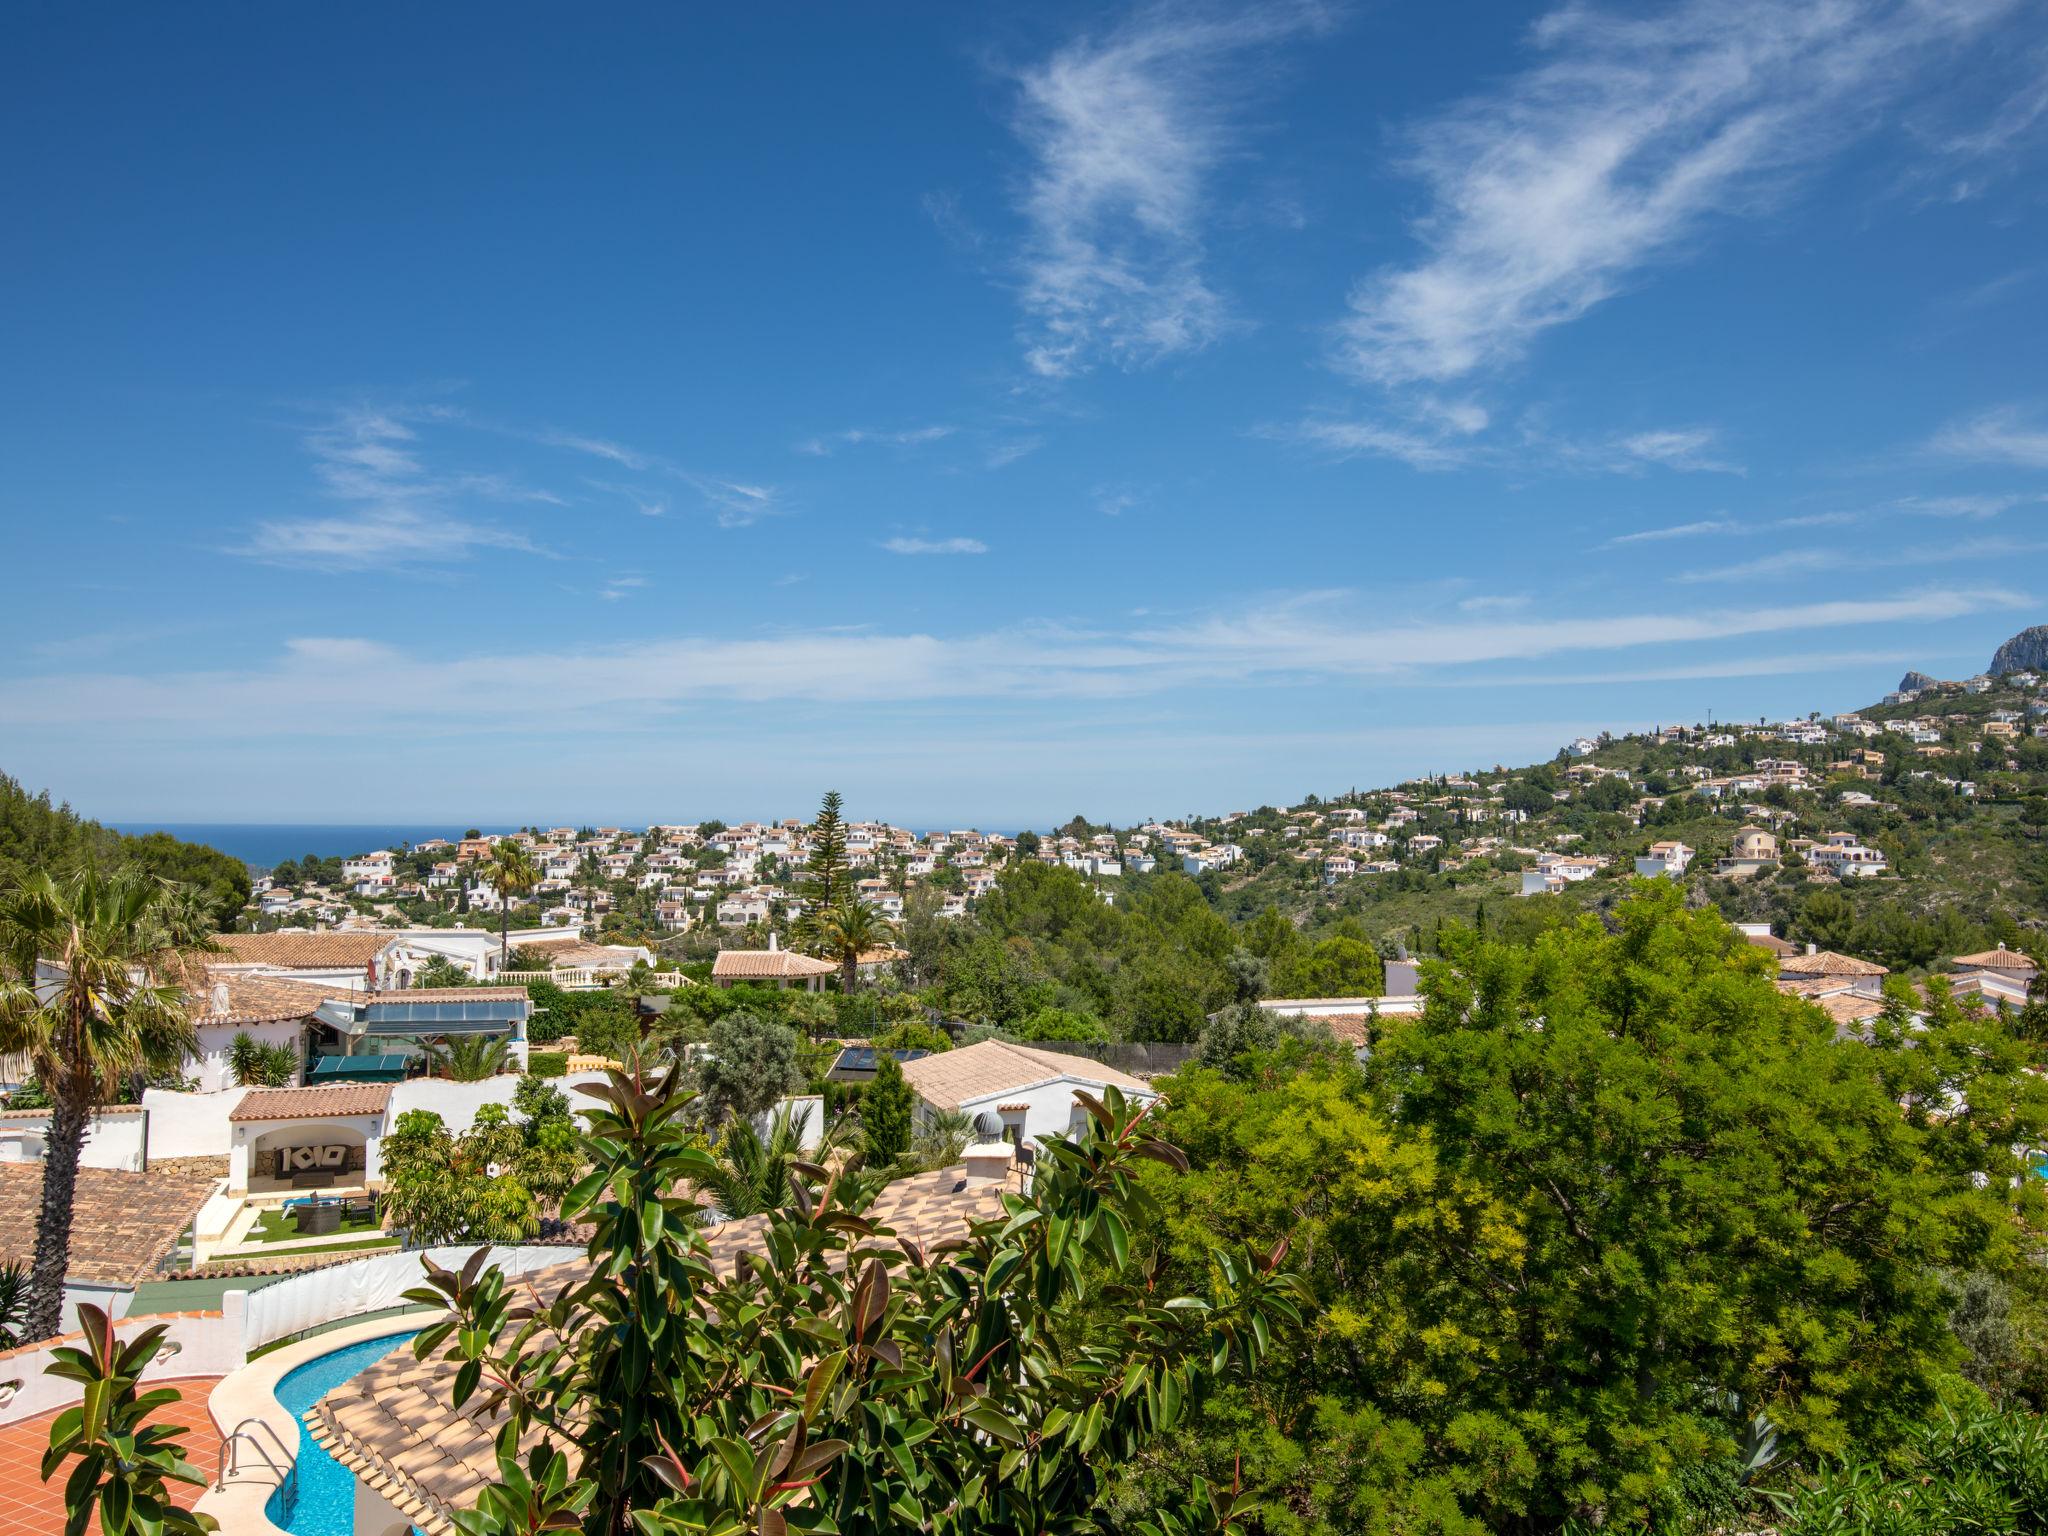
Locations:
column 325, row 1504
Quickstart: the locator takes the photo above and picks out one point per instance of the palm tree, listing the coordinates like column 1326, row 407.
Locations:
column 590, row 876
column 468, row 1058
column 756, row 1173
column 759, row 1173
column 513, row 873
column 943, row 1137
column 847, row 932
column 80, row 999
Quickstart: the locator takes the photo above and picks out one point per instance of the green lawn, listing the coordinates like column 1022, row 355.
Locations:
column 277, row 1227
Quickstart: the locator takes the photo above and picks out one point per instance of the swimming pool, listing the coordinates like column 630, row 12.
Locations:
column 319, row 1498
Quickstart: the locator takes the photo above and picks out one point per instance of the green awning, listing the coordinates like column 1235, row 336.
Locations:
column 357, row 1069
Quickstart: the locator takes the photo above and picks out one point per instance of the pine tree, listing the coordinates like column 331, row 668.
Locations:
column 885, row 1110
column 828, row 881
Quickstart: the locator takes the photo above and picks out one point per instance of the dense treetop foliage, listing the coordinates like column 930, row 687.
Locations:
column 37, row 833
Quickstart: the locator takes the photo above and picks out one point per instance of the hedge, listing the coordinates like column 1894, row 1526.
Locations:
column 548, row 1063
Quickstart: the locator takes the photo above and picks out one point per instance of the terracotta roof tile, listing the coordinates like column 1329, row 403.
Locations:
column 122, row 1223
column 768, row 965
column 222, row 996
column 307, row 951
column 312, row 1103
column 952, row 1078
column 1828, row 963
column 2000, row 959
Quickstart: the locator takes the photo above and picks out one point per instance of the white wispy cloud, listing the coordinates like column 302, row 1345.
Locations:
column 2006, row 435
column 852, row 437
column 1124, row 129
column 622, row 586
column 734, row 503
column 1812, row 562
column 1002, row 455
column 1350, row 439
column 1498, row 603
column 1550, row 195
column 1116, row 500
column 1692, row 530
column 911, row 546
column 1426, row 433
column 377, row 536
column 397, row 509
column 598, row 448
column 1975, row 508
column 324, row 686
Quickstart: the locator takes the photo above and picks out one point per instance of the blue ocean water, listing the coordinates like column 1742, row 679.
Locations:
column 266, row 843
column 326, row 1499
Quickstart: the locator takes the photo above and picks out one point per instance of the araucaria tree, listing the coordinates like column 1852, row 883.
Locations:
column 839, row 1380
column 827, row 879
column 98, row 1019
column 513, row 873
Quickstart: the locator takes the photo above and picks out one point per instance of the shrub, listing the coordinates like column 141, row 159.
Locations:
column 547, row 1063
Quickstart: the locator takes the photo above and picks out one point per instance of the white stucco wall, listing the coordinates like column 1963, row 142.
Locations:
column 113, row 1138
column 189, row 1124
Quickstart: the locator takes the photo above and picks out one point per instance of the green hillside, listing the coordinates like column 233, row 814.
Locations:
column 39, row 833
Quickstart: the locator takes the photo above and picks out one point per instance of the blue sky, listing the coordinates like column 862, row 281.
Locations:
column 500, row 414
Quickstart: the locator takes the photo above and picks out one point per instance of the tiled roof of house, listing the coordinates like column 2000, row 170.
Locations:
column 306, row 951
column 394, row 1425
column 953, row 1078
column 333, row 1100
column 1771, row 942
column 121, row 1223
column 1828, row 963
column 221, row 996
column 767, row 965
column 1999, row 959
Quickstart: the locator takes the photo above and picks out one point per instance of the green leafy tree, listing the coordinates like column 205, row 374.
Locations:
column 100, row 1023
column 828, row 1386
column 886, row 1107
column 749, row 1064
column 1608, row 1199
column 1334, row 967
column 1051, row 1024
column 122, row 1465
column 442, row 1188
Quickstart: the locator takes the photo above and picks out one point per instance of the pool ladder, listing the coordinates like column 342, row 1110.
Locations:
column 245, row 1432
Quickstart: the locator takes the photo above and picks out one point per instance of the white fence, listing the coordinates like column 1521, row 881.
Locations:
column 366, row 1285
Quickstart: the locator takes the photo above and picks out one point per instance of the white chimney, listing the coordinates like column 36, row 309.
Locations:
column 1813, row 949
column 774, row 943
column 989, row 1160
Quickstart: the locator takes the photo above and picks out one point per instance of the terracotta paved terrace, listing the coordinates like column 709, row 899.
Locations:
column 31, row 1507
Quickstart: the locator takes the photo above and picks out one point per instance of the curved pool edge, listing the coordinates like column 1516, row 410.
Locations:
column 250, row 1394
